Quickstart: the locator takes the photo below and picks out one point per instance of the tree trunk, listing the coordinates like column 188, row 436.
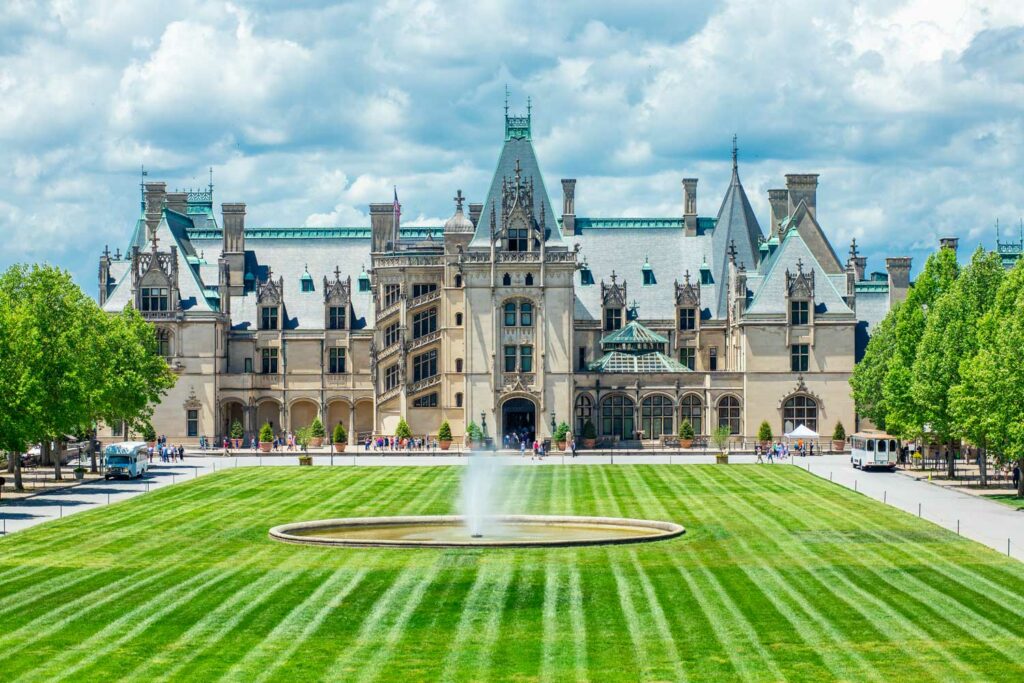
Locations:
column 92, row 453
column 950, row 461
column 54, row 457
column 983, row 466
column 10, row 462
column 1020, row 479
column 18, row 486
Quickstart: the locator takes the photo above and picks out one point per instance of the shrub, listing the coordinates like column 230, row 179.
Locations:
column 237, row 431
column 303, row 436
column 266, row 433
column 402, row 431
column 316, row 430
column 473, row 432
column 764, row 432
column 561, row 432
column 721, row 437
column 685, row 430
column 839, row 433
column 148, row 433
column 588, row 430
column 340, row 435
column 444, row 433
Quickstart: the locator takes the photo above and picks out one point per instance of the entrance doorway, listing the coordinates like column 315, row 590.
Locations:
column 519, row 416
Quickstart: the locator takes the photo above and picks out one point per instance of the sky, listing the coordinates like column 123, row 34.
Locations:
column 308, row 111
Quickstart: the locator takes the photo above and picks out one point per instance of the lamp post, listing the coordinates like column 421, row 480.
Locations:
column 553, row 424
column 483, row 423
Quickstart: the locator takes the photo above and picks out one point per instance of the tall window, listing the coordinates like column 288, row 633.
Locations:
column 692, row 410
column 713, row 358
column 686, row 356
column 687, row 318
column 584, row 411
column 424, row 365
column 798, row 357
column 729, row 414
column 617, row 416
column 155, row 298
column 163, row 342
column 799, row 410
column 424, row 323
column 506, row 280
column 458, row 400
column 428, row 401
column 268, row 317
column 458, row 280
column 192, row 422
column 391, row 377
column 458, row 320
column 525, row 359
column 510, row 359
column 391, row 294
column 581, row 358
column 268, row 361
column 336, row 360
column 510, row 314
column 458, row 365
column 798, row 312
column 656, row 413
column 525, row 314
column 517, row 239
column 529, row 279
column 423, row 288
column 247, row 365
column 336, row 316
column 390, row 335
column 612, row 319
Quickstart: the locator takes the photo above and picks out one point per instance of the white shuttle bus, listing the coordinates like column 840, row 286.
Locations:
column 874, row 451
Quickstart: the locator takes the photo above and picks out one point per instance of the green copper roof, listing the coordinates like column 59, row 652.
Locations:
column 633, row 335
column 704, row 223
column 624, row 362
column 302, row 232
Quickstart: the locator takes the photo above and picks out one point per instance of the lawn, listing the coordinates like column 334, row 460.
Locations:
column 1009, row 499
column 781, row 575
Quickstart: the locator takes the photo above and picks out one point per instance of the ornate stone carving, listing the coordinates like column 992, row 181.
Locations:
column 337, row 292
column 613, row 295
column 270, row 291
column 687, row 293
column 800, row 285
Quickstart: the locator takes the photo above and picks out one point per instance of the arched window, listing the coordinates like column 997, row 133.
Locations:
column 799, row 410
column 729, row 414
column 458, row 280
column 617, row 416
column 163, row 342
column 584, row 412
column 692, row 409
column 529, row 279
column 524, row 309
column 656, row 414
column 458, row 400
column 458, row 320
column 506, row 280
column 458, row 365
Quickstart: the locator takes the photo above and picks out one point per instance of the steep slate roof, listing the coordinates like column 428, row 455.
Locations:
column 736, row 224
column 517, row 149
column 668, row 251
column 769, row 283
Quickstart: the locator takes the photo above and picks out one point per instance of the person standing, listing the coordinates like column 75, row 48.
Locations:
column 572, row 446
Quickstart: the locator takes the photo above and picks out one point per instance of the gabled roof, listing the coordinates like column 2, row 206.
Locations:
column 634, row 334
column 736, row 225
column 769, row 286
column 809, row 228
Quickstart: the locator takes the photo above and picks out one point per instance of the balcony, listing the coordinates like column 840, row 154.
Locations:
column 389, row 310
column 270, row 380
column 387, row 352
column 518, row 257
column 389, row 394
column 424, row 299
column 424, row 340
column 518, row 380
column 417, row 387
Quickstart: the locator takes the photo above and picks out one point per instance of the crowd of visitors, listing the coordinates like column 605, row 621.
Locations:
column 166, row 452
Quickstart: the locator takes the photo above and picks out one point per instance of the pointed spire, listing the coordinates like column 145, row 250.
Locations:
column 735, row 154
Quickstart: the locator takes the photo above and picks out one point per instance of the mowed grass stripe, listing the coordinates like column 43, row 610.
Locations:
column 553, row 586
column 577, row 617
column 880, row 620
column 813, row 628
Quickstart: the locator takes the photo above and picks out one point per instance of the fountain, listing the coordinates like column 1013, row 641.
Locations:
column 479, row 525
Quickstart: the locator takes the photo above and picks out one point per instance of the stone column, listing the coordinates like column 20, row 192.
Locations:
column 352, row 423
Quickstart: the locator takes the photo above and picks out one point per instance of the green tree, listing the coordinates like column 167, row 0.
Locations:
column 950, row 337
column 340, row 435
column 720, row 437
column 839, row 432
column 402, row 431
column 560, row 432
column 868, row 379
column 266, row 433
column 589, row 431
column 237, row 431
column 686, row 430
column 445, row 432
column 764, row 432
column 316, row 430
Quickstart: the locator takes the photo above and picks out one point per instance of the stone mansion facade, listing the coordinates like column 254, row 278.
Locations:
column 509, row 314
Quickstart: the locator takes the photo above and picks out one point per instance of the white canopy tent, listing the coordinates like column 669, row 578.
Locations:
column 802, row 432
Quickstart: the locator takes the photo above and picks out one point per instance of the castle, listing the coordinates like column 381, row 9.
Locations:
column 510, row 314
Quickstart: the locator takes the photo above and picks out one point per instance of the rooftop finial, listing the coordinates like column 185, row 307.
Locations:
column 506, row 100
column 458, row 200
column 529, row 106
column 337, row 273
column 735, row 151
column 211, row 183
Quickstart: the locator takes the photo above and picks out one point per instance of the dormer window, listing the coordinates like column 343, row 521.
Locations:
column 155, row 298
column 268, row 317
column 687, row 319
column 518, row 239
column 306, row 282
column 799, row 312
column 336, row 317
column 586, row 276
column 648, row 274
column 612, row 319
column 364, row 282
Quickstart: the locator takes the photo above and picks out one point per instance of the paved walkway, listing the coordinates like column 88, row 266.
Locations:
column 984, row 521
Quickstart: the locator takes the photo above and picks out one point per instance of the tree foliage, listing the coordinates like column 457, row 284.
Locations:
column 340, row 435
column 444, row 433
column 764, row 432
column 402, row 431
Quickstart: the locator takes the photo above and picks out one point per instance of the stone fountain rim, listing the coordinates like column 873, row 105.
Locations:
column 283, row 533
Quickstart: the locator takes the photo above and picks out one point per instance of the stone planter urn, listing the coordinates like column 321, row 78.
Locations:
column 560, row 445
column 445, row 444
column 589, row 443
column 722, row 459
column 265, row 446
column 79, row 474
column 305, row 460
column 316, row 441
column 339, row 447
column 685, row 443
column 838, row 446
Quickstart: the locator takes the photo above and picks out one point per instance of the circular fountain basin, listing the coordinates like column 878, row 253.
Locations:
column 449, row 531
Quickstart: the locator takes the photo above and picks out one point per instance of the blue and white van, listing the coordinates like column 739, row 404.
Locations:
column 128, row 460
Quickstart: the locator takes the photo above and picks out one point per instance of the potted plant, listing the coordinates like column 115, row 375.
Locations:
column 316, row 433
column 473, row 433
column 721, row 437
column 237, row 432
column 340, row 438
column 444, row 435
column 839, row 438
column 589, row 434
column 148, row 434
column 685, row 434
column 764, row 434
column 79, row 473
column 303, row 437
column 402, row 431
column 559, row 436
column 266, row 437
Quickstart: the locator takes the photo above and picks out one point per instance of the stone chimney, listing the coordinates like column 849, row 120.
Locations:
column 949, row 243
column 155, row 195
column 803, row 186
column 690, row 206
column 382, row 227
column 178, row 201
column 779, row 201
column 233, row 228
column 568, row 206
column 474, row 213
column 899, row 278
